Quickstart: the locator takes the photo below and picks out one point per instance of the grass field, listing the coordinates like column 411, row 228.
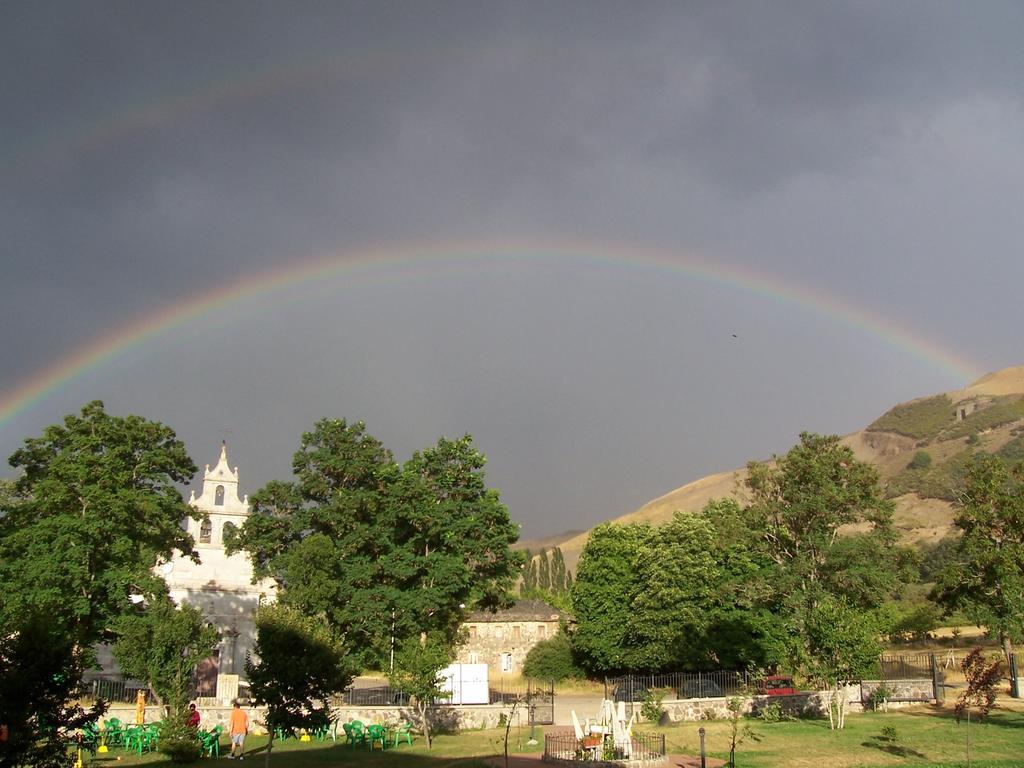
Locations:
column 924, row 737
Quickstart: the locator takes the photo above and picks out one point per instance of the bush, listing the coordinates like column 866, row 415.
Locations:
column 771, row 712
column 921, row 460
column 879, row 696
column 651, row 707
column 179, row 742
column 920, row 418
column 552, row 659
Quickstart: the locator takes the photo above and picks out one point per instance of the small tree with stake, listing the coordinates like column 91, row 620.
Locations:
column 982, row 678
column 418, row 664
column 298, row 666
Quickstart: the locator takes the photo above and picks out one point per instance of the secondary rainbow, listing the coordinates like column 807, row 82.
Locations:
column 366, row 263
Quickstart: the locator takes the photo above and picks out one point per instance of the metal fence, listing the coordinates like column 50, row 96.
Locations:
column 642, row 746
column 119, row 690
column 383, row 695
column 899, row 671
column 682, row 685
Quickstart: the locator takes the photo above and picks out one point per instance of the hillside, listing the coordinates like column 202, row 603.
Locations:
column 988, row 415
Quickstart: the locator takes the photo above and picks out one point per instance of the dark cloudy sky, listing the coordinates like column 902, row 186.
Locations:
column 861, row 157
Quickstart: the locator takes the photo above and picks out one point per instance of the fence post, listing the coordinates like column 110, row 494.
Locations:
column 937, row 692
column 1014, row 677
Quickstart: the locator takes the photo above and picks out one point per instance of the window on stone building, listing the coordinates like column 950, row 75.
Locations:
column 205, row 532
column 506, row 662
column 472, row 632
column 515, row 632
column 542, row 631
column 218, row 496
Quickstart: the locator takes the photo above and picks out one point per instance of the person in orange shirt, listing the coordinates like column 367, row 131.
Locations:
column 238, row 727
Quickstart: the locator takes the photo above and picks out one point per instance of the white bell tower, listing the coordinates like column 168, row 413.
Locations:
column 218, row 585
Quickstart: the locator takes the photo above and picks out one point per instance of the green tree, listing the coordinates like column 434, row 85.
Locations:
column 798, row 505
column 40, row 692
column 605, row 585
column 843, row 647
column 162, row 644
column 418, row 665
column 559, row 585
column 382, row 551
column 296, row 666
column 675, row 574
column 553, row 659
column 743, row 632
column 95, row 507
column 986, row 579
column 528, row 583
column 543, row 572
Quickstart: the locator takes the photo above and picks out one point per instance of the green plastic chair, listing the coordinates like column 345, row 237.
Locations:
column 324, row 732
column 210, row 741
column 375, row 733
column 403, row 731
column 113, row 733
column 357, row 733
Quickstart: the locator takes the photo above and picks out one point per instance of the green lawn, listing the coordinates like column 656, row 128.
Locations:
column 925, row 737
column 463, row 749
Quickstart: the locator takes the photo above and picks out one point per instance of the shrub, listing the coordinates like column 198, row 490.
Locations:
column 879, row 696
column 552, row 659
column 921, row 460
column 920, row 418
column 179, row 742
column 651, row 707
column 889, row 733
column 771, row 712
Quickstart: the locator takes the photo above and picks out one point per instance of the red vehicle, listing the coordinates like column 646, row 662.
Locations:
column 778, row 685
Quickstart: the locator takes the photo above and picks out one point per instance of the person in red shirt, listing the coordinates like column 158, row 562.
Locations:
column 193, row 717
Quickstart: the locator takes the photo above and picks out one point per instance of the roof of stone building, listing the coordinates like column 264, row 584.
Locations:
column 523, row 610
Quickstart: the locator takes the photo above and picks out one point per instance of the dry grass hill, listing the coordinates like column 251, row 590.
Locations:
column 920, row 448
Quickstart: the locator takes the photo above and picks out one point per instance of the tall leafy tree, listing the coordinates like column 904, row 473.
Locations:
column 544, row 572
column 986, row 576
column 382, row 551
column 96, row 505
column 558, row 575
column 296, row 666
column 528, row 584
column 799, row 503
column 675, row 578
column 606, row 584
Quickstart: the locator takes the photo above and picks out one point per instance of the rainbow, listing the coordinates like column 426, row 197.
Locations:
column 409, row 261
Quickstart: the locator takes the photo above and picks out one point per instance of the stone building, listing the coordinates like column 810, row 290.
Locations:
column 501, row 640
column 220, row 586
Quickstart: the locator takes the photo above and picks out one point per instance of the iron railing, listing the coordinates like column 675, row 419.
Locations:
column 119, row 690
column 641, row 746
column 681, row 685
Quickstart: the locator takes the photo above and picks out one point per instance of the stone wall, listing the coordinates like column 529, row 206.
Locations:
column 442, row 718
column 808, row 703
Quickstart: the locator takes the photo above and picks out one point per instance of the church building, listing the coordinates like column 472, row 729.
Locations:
column 219, row 585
